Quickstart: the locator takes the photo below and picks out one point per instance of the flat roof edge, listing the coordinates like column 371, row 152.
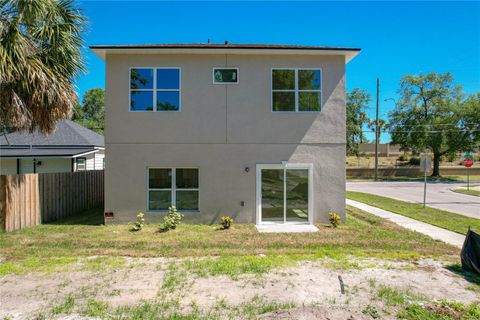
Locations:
column 225, row 47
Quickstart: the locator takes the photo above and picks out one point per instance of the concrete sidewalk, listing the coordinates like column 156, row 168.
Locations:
column 436, row 233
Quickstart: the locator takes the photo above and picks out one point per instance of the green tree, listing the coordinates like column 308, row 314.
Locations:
column 40, row 55
column 357, row 102
column 382, row 126
column 433, row 113
column 91, row 113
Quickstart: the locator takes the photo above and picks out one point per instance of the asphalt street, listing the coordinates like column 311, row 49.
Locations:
column 439, row 195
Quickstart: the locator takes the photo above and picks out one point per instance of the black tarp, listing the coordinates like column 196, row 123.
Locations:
column 470, row 254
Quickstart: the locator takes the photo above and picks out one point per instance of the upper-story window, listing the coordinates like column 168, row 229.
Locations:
column 296, row 90
column 155, row 89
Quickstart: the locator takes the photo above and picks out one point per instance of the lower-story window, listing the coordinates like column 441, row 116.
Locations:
column 173, row 187
column 81, row 164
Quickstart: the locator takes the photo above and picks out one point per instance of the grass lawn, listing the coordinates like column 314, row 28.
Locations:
column 468, row 192
column 443, row 219
column 65, row 245
column 418, row 178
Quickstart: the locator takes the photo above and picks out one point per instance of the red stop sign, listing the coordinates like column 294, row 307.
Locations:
column 468, row 162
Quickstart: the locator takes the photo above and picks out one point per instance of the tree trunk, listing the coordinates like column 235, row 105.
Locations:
column 436, row 165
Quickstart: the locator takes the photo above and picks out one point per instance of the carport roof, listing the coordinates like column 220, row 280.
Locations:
column 17, row 152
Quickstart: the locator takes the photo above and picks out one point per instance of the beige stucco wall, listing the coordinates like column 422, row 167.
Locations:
column 222, row 129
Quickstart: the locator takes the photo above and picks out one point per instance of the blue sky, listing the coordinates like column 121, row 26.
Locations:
column 396, row 38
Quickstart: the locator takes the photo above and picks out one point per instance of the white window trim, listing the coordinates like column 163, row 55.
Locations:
column 172, row 189
column 179, row 90
column 84, row 168
column 296, row 90
column 225, row 68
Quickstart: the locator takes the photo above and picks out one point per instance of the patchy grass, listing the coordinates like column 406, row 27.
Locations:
column 371, row 311
column 440, row 310
column 468, row 192
column 21, row 265
column 396, row 298
column 171, row 309
column 237, row 265
column 440, row 218
column 414, row 307
column 63, row 246
column 66, row 307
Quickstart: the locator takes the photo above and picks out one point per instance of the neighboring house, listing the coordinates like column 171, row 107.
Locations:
column 256, row 132
column 69, row 148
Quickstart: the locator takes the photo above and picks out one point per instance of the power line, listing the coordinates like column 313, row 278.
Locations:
column 418, row 131
column 439, row 124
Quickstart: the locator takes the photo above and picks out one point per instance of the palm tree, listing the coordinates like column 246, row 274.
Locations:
column 40, row 56
column 382, row 126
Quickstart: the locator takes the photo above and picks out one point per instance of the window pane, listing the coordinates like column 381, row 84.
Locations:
column 309, row 101
column 284, row 101
column 159, row 200
column 225, row 75
column 141, row 78
column 272, row 194
column 81, row 164
column 283, row 79
column 160, row 178
column 309, row 79
column 141, row 101
column 297, row 194
column 168, row 79
column 187, row 200
column 168, row 100
column 187, row 178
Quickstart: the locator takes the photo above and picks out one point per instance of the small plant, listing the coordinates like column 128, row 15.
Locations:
column 139, row 223
column 335, row 219
column 371, row 311
column 414, row 161
column 171, row 220
column 403, row 157
column 226, row 222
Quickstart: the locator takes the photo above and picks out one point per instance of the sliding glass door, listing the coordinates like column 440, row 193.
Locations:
column 283, row 193
column 273, row 208
column 296, row 193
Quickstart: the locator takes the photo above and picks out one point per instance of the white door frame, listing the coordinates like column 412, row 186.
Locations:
column 258, row 177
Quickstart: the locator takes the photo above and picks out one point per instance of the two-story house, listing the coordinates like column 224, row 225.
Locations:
column 256, row 132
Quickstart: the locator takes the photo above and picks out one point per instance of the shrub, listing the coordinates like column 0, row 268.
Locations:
column 139, row 223
column 335, row 219
column 452, row 157
column 403, row 157
column 226, row 222
column 171, row 220
column 414, row 161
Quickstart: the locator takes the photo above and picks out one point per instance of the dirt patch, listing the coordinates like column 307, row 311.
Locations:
column 316, row 313
column 312, row 287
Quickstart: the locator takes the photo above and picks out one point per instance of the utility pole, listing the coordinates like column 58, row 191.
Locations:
column 376, row 131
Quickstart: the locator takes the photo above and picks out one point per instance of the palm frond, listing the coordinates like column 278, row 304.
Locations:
column 40, row 56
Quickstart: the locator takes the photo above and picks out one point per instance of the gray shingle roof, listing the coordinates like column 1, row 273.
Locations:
column 67, row 133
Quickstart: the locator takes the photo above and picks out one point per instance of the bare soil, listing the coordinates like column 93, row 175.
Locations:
column 313, row 287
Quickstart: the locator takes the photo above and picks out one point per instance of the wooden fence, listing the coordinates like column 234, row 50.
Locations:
column 30, row 199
